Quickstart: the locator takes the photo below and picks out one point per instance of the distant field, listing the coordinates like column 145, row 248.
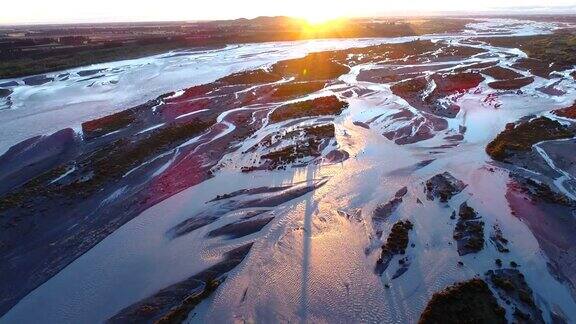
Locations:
column 35, row 50
column 559, row 47
column 30, row 65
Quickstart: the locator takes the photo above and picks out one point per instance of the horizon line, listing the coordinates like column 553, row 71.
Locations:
column 510, row 11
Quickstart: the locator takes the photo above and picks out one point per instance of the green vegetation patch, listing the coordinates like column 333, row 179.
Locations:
column 520, row 138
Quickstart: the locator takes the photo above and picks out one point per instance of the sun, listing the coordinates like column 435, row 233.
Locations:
column 323, row 25
column 318, row 18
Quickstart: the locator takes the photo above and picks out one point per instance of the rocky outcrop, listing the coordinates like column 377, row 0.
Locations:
column 396, row 244
column 469, row 231
column 498, row 239
column 383, row 211
column 443, row 186
column 512, row 288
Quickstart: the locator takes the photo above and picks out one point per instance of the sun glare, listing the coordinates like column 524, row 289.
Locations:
column 320, row 14
column 319, row 18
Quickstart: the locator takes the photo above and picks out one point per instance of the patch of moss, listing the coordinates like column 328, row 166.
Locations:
column 469, row 231
column 547, row 53
column 397, row 241
column 249, row 77
column 500, row 73
column 396, row 244
column 443, row 186
column 465, row 302
column 521, row 137
column 503, row 283
column 511, row 285
column 296, row 89
column 315, row 107
column 32, row 189
column 108, row 124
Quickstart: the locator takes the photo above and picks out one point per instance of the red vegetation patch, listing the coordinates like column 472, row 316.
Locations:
column 447, row 84
column 500, row 73
column 193, row 92
column 173, row 110
column 513, row 84
column 183, row 173
column 475, row 66
column 411, row 90
column 250, row 77
column 296, row 89
column 569, row 112
column 108, row 124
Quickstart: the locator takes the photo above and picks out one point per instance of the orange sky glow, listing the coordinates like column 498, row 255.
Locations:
column 56, row 11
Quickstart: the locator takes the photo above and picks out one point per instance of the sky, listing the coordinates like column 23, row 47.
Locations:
column 69, row 11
